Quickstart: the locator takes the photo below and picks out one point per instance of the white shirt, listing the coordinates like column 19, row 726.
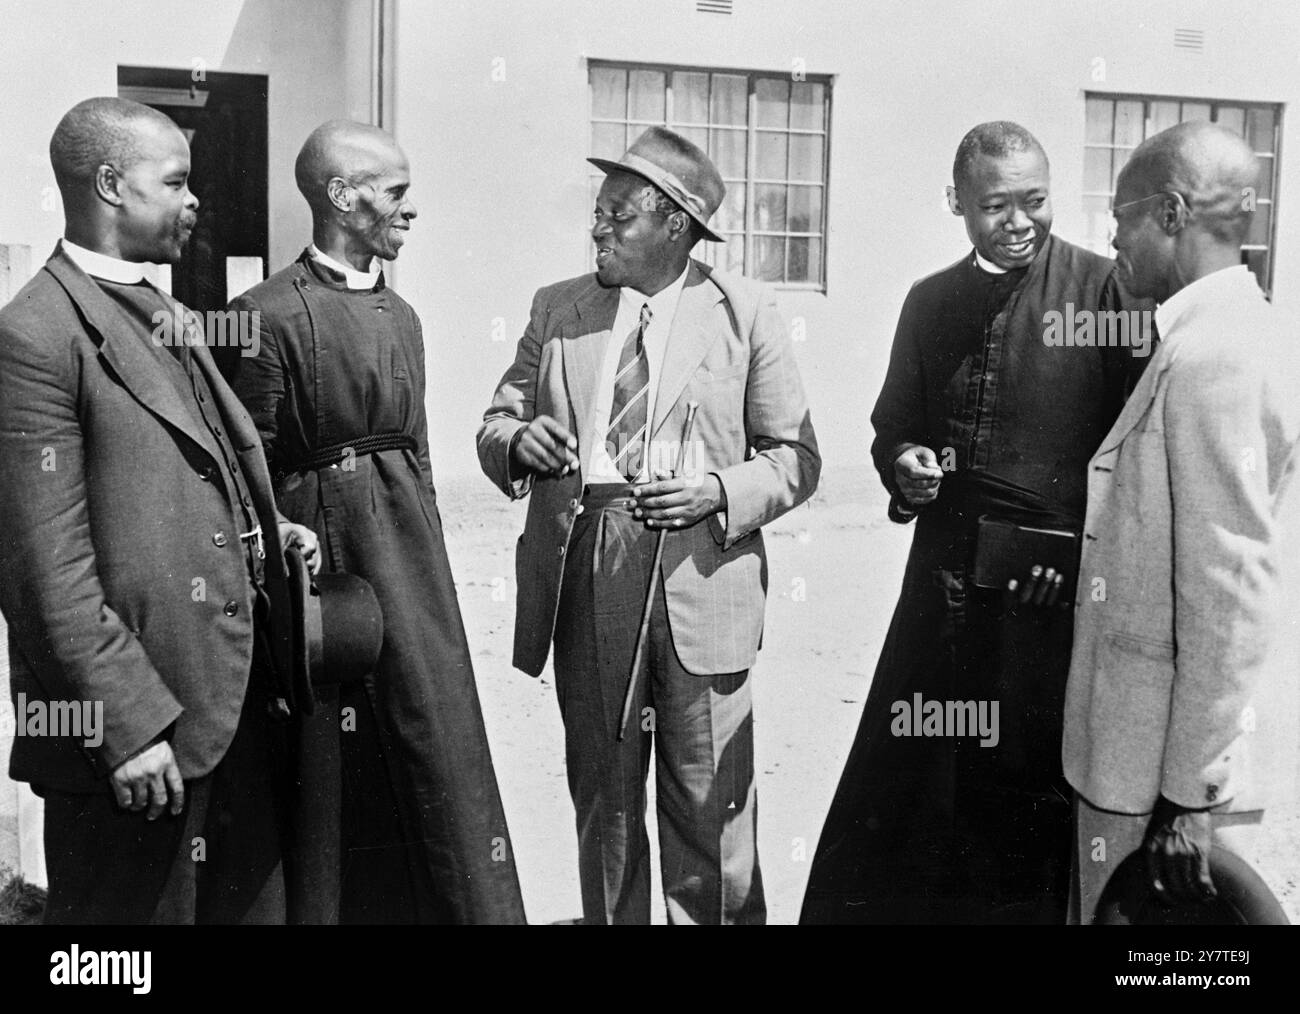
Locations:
column 663, row 308
column 98, row 265
column 352, row 278
column 989, row 266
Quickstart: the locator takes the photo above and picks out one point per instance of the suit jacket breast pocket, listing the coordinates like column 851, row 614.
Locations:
column 723, row 374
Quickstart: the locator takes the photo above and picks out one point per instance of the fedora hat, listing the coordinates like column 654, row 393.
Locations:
column 338, row 628
column 1243, row 899
column 678, row 168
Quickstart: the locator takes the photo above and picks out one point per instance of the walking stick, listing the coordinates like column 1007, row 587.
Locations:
column 643, row 633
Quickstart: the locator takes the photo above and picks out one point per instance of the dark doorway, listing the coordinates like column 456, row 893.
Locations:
column 224, row 118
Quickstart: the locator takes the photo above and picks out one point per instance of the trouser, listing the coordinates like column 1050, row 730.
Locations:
column 1104, row 839
column 218, row 861
column 702, row 733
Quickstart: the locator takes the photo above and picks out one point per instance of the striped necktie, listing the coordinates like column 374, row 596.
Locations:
column 625, row 438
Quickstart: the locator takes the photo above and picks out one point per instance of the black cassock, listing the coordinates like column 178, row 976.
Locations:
column 940, row 828
column 396, row 812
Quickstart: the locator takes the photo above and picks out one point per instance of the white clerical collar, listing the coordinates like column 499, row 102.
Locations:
column 352, row 278
column 663, row 304
column 989, row 266
column 98, row 265
column 1210, row 288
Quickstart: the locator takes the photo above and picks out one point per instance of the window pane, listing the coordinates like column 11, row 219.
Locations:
column 769, row 207
column 730, row 216
column 769, row 257
column 608, row 93
column 727, row 148
column 1128, row 124
column 1259, row 129
column 1232, row 118
column 771, row 155
column 690, row 97
column 1259, row 222
column 804, row 260
column 773, row 102
column 1163, row 116
column 646, row 95
column 735, row 253
column 1196, row 111
column 808, row 105
column 1099, row 114
column 1120, row 156
column 806, row 157
column 728, row 103
column 1099, row 224
column 805, row 209
column 607, row 140
column 1096, row 170
column 696, row 135
column 1265, row 178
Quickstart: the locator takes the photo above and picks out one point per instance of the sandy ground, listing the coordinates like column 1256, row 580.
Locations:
column 835, row 567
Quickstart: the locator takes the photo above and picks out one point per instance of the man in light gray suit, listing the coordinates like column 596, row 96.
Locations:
column 587, row 419
column 1179, row 725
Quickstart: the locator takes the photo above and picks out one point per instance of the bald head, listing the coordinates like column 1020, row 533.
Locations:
column 355, row 178
column 101, row 131
column 1213, row 169
column 355, row 153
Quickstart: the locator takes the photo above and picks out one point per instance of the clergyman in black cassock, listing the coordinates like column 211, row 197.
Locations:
column 398, row 815
column 970, row 828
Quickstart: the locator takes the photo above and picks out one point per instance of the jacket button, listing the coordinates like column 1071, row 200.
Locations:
column 561, row 551
column 219, row 539
column 573, row 505
column 230, row 608
column 207, row 473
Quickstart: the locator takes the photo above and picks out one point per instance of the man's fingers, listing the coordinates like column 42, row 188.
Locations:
column 157, row 789
column 557, row 432
column 176, row 787
column 1043, row 584
column 122, row 792
column 1031, row 586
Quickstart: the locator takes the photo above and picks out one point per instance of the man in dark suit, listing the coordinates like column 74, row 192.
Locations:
column 587, row 418
column 136, row 503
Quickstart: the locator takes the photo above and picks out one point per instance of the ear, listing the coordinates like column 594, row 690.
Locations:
column 339, row 192
column 679, row 225
column 108, row 185
column 1174, row 213
column 954, row 202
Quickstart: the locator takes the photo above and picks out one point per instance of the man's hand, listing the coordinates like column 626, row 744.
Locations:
column 148, row 779
column 546, row 447
column 1177, row 847
column 306, row 541
column 918, row 473
column 1041, row 588
column 678, row 503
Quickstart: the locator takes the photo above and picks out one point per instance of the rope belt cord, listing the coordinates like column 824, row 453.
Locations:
column 372, row 443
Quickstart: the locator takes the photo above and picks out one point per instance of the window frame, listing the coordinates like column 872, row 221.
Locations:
column 1278, row 110
column 752, row 129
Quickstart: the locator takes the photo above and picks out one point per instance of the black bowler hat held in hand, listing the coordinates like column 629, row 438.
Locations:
column 338, row 628
column 1243, row 897
column 678, row 168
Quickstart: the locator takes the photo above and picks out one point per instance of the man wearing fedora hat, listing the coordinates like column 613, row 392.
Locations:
column 588, row 420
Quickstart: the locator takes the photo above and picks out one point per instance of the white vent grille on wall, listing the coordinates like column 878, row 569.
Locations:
column 1190, row 40
column 713, row 6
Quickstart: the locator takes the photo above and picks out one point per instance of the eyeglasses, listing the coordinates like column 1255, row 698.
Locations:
column 1141, row 200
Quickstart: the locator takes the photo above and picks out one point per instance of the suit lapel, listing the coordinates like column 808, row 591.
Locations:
column 689, row 341
column 134, row 364
column 583, row 355
column 1138, row 402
